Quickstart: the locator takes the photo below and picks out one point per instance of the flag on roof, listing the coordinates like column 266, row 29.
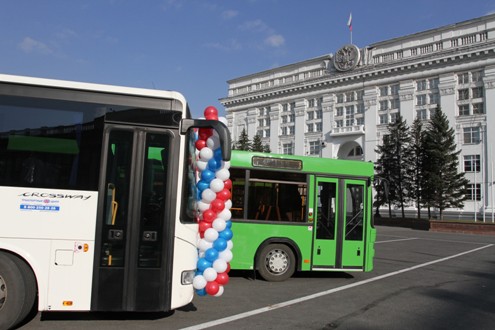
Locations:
column 349, row 22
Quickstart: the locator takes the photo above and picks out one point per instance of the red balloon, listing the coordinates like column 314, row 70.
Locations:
column 212, row 288
column 222, row 278
column 217, row 205
column 228, row 267
column 211, row 113
column 205, row 133
column 227, row 184
column 224, row 194
column 203, row 225
column 200, row 144
column 209, row 215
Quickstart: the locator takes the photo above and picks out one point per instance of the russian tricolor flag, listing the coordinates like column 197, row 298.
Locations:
column 349, row 22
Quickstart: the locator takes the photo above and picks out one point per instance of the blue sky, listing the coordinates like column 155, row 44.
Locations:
column 194, row 46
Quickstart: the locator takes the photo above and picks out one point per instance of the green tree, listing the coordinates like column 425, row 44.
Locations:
column 257, row 145
column 445, row 185
column 395, row 159
column 417, row 156
column 266, row 148
column 243, row 143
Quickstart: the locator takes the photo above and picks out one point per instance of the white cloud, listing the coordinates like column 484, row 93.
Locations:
column 275, row 40
column 30, row 45
column 228, row 14
column 230, row 45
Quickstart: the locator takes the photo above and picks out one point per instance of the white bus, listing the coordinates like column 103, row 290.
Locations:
column 97, row 198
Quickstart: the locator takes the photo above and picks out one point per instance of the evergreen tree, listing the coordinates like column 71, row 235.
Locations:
column 446, row 186
column 417, row 153
column 395, row 160
column 383, row 168
column 257, row 145
column 266, row 148
column 243, row 143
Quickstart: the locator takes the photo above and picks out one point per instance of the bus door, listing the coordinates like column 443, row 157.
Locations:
column 134, row 233
column 339, row 224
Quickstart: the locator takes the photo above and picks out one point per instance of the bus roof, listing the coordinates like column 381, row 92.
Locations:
column 303, row 164
column 91, row 87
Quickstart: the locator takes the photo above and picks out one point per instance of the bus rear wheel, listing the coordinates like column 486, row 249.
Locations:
column 17, row 291
column 276, row 262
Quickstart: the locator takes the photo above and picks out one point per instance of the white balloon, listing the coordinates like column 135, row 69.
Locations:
column 204, row 245
column 220, row 291
column 216, row 185
column 209, row 274
column 201, row 165
column 201, row 254
column 226, row 164
column 202, row 206
column 199, row 282
column 220, row 265
column 219, row 224
column 206, row 154
column 222, row 174
column 213, row 142
column 230, row 244
column 226, row 255
column 225, row 214
column 228, row 204
column 211, row 235
column 208, row 195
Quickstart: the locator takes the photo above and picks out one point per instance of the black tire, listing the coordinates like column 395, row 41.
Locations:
column 17, row 291
column 276, row 262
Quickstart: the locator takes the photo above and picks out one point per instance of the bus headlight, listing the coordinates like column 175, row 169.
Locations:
column 187, row 277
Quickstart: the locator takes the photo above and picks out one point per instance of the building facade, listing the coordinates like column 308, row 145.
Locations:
column 339, row 105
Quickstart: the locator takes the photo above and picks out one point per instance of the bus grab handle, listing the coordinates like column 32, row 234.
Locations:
column 221, row 128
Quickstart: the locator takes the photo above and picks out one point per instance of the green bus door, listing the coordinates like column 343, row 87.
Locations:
column 338, row 206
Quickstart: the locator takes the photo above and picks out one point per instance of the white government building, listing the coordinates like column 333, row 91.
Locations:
column 338, row 105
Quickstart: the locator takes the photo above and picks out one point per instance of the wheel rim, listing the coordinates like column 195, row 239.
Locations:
column 3, row 292
column 277, row 262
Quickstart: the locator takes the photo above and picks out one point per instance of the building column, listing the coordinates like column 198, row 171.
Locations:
column 489, row 138
column 300, row 127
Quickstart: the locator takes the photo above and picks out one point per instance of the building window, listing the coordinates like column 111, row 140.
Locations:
column 292, row 118
column 477, row 76
column 339, row 123
column 421, row 99
column 288, row 148
column 472, row 163
column 384, row 91
column 340, row 98
column 463, row 94
column 292, row 130
column 349, row 96
column 284, row 119
column 421, row 114
column 319, row 127
column 478, row 108
column 464, row 110
column 434, row 83
column 477, row 92
column 383, row 119
column 393, row 117
column 471, row 135
column 314, row 148
column 394, row 89
column 434, row 98
column 421, row 85
column 463, row 78
column 360, row 121
column 311, row 103
column 319, row 114
column 394, row 103
column 340, row 111
column 311, row 115
column 309, row 128
column 383, row 105
column 473, row 192
column 360, row 108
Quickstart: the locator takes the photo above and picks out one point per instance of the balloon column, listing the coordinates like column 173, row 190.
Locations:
column 213, row 204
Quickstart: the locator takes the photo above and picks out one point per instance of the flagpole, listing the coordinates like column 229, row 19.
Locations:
column 349, row 25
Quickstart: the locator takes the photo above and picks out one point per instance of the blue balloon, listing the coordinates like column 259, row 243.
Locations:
column 207, row 176
column 228, row 223
column 220, row 244
column 226, row 234
column 211, row 254
column 212, row 164
column 217, row 153
column 203, row 264
column 201, row 292
column 202, row 185
column 198, row 273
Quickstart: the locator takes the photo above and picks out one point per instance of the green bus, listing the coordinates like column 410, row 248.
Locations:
column 301, row 213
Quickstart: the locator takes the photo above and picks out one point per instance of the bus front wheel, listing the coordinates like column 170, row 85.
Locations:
column 276, row 262
column 17, row 291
